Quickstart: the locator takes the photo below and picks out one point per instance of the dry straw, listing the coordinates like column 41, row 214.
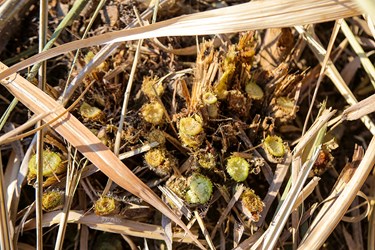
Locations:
column 88, row 144
column 249, row 16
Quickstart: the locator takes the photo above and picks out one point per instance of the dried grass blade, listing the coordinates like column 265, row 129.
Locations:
column 322, row 69
column 108, row 224
column 305, row 152
column 73, row 177
column 368, row 6
column 7, row 138
column 13, row 179
column 312, row 132
column 15, row 195
column 306, row 191
column 256, row 237
column 365, row 61
column 88, row 144
column 334, row 75
column 42, row 82
column 229, row 207
column 274, row 188
column 140, row 150
column 359, row 109
column 168, row 234
column 77, row 7
column 282, row 215
column 371, row 221
column 333, row 216
column 6, row 238
column 358, row 217
column 249, row 16
column 204, row 230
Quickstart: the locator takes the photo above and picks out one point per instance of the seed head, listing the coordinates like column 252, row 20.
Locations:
column 106, row 206
column 52, row 164
column 90, row 113
column 160, row 161
column 206, row 160
column 156, row 135
column 252, row 203
column 151, row 87
column 178, row 184
column 283, row 109
column 191, row 131
column 52, row 200
column 191, row 125
column 153, row 112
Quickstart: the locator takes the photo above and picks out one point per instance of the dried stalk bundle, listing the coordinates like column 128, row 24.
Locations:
column 191, row 127
column 88, row 144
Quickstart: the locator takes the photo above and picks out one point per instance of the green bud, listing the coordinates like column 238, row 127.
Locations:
column 274, row 145
column 209, row 98
column 200, row 189
column 238, row 168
